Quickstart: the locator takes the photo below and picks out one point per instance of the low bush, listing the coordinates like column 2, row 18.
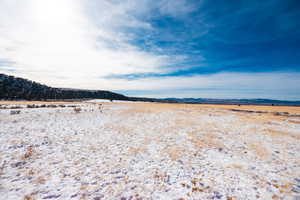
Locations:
column 15, row 107
column 3, row 107
column 31, row 106
column 52, row 106
column 77, row 110
column 29, row 152
column 15, row 112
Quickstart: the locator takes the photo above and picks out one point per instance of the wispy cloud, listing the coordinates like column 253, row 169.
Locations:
column 216, row 80
column 279, row 85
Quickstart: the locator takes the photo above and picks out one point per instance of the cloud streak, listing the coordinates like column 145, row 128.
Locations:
column 279, row 85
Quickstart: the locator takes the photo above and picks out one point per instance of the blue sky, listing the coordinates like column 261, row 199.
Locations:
column 162, row 48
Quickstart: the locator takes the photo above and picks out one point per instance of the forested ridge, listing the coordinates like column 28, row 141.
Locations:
column 19, row 88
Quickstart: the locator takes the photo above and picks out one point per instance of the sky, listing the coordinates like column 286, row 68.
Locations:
column 156, row 48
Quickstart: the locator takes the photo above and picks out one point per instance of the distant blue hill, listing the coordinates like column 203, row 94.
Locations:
column 235, row 101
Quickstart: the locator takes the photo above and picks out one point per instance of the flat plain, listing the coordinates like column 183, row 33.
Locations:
column 124, row 150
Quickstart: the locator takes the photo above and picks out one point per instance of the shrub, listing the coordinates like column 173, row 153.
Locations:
column 15, row 112
column 29, row 152
column 29, row 197
column 3, row 107
column 52, row 106
column 15, row 107
column 30, row 106
column 77, row 110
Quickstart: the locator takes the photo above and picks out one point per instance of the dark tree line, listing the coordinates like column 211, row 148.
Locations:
column 18, row 88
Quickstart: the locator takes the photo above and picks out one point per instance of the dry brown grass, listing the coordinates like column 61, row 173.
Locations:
column 195, row 107
column 135, row 150
column 259, row 119
column 266, row 124
column 289, row 109
column 40, row 180
column 116, row 128
column 294, row 121
column 205, row 140
column 233, row 198
column 237, row 166
column 259, row 150
column 185, row 123
column 175, row 152
column 29, row 152
column 161, row 177
column 286, row 188
column 29, row 197
column 276, row 133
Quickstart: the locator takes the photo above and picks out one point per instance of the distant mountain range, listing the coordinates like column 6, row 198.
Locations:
column 235, row 101
column 14, row 88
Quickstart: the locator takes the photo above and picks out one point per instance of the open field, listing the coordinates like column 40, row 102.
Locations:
column 148, row 151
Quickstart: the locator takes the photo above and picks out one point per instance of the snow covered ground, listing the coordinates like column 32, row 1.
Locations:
column 148, row 151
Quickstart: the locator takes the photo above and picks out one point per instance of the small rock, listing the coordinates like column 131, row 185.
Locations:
column 52, row 197
column 217, row 195
column 74, row 195
column 18, row 164
column 99, row 197
column 296, row 189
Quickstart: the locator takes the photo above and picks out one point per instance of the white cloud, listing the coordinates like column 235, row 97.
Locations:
column 177, row 8
column 73, row 39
